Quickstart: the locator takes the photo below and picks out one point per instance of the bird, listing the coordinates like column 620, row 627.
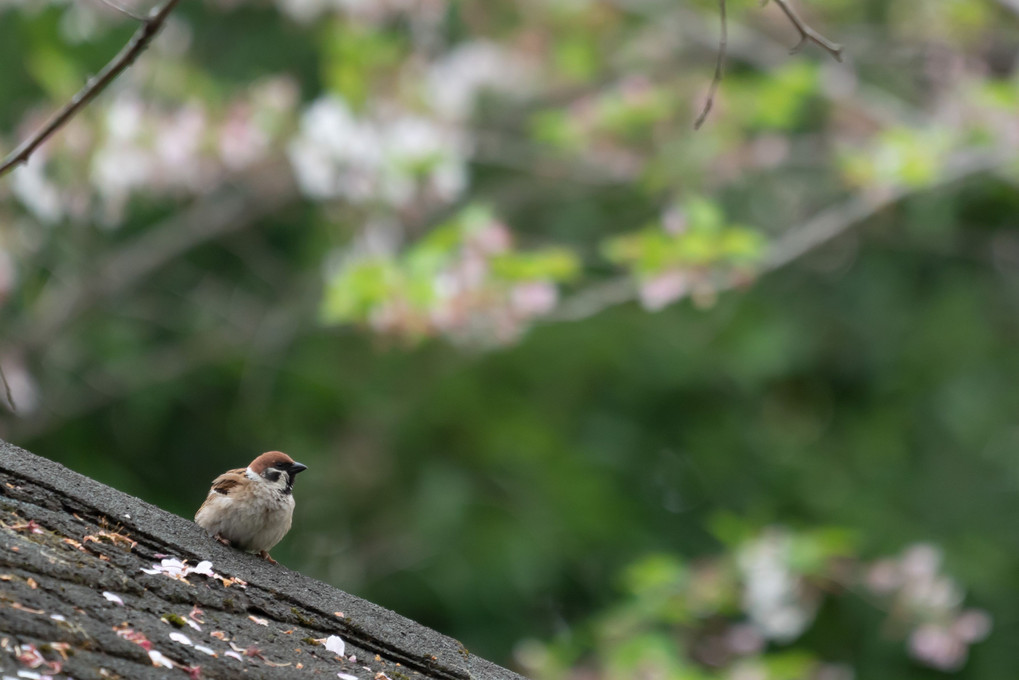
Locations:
column 251, row 508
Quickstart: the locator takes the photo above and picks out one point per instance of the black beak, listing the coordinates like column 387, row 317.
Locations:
column 297, row 467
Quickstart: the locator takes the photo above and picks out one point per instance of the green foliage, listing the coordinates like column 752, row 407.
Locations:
column 353, row 56
column 554, row 264
column 215, row 256
column 703, row 240
column 777, row 103
column 456, row 253
column 737, row 613
column 900, row 157
column 555, row 129
column 359, row 289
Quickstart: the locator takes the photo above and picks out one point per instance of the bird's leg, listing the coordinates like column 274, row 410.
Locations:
column 265, row 556
column 224, row 541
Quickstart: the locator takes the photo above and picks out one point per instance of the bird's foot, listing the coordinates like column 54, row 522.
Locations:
column 268, row 558
column 224, row 541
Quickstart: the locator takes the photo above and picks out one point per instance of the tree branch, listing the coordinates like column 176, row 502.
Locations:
column 723, row 42
column 138, row 43
column 835, row 221
column 786, row 249
column 123, row 10
column 807, row 34
column 260, row 192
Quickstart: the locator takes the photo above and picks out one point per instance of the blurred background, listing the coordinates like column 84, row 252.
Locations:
column 600, row 396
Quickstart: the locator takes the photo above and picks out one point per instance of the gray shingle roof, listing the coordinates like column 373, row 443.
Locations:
column 75, row 602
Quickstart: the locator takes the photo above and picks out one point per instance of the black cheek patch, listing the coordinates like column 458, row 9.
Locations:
column 272, row 475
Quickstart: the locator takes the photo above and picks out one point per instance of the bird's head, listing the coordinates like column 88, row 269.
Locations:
column 276, row 468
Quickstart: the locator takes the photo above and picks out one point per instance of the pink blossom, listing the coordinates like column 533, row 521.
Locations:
column 937, row 647
column 658, row 292
column 534, row 298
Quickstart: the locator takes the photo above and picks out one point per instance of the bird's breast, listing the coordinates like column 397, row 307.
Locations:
column 254, row 518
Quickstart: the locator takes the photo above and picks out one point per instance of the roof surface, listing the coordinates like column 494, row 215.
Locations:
column 75, row 600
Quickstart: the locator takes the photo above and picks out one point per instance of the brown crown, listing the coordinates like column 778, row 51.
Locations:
column 269, row 459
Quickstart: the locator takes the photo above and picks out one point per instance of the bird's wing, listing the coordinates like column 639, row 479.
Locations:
column 227, row 482
column 223, row 486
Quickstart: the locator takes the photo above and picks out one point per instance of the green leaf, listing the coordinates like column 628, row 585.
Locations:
column 793, row 665
column 703, row 214
column 355, row 291
column 55, row 72
column 556, row 264
column 576, row 56
column 556, row 129
column 655, row 574
column 740, row 244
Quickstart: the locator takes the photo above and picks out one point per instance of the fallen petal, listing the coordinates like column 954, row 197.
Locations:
column 204, row 568
column 158, row 659
column 181, row 638
column 335, row 645
column 113, row 597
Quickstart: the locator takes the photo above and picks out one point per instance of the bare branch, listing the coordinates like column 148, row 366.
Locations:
column 723, row 42
column 123, row 10
column 835, row 221
column 822, row 228
column 807, row 34
column 139, row 41
column 259, row 192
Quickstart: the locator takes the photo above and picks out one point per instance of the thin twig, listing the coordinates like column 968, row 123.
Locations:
column 7, row 390
column 807, row 33
column 833, row 222
column 123, row 10
column 723, row 43
column 139, row 41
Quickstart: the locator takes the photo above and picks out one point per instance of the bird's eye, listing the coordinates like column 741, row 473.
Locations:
column 281, row 465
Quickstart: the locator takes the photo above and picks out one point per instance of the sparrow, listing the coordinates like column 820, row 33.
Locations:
column 251, row 508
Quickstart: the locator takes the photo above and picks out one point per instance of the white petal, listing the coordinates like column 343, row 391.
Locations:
column 335, row 645
column 181, row 638
column 346, row 676
column 204, row 568
column 158, row 659
column 113, row 597
column 205, row 650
